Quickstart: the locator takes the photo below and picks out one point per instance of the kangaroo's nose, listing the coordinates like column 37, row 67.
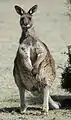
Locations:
column 25, row 22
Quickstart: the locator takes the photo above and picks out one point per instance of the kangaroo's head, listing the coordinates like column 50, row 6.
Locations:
column 25, row 17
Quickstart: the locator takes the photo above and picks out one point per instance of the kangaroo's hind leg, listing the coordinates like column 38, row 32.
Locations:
column 46, row 99
column 21, row 90
column 22, row 100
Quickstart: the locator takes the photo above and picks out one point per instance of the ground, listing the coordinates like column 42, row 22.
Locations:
column 52, row 23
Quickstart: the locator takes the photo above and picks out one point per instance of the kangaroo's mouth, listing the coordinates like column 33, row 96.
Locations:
column 26, row 26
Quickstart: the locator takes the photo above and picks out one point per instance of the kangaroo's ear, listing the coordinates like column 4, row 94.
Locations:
column 19, row 10
column 33, row 9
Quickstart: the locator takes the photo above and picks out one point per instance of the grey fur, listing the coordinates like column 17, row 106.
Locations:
column 34, row 66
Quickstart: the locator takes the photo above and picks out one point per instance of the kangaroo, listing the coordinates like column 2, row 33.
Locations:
column 34, row 66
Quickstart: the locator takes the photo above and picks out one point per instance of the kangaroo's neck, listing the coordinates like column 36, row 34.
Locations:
column 24, row 34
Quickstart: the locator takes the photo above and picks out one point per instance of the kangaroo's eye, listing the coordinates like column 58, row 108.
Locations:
column 22, row 19
column 29, row 18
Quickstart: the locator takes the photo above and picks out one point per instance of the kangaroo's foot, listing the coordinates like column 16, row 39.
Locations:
column 45, row 107
column 23, row 110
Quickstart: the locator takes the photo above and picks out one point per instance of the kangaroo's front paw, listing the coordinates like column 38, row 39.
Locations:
column 34, row 71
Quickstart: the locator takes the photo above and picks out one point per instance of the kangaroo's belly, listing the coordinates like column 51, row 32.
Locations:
column 46, row 73
column 24, row 78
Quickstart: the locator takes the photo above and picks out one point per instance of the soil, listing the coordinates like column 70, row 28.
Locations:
column 52, row 23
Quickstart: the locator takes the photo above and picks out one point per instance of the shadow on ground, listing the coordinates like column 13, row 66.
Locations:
column 65, row 102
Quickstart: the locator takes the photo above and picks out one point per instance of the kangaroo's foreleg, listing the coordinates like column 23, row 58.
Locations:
column 25, row 53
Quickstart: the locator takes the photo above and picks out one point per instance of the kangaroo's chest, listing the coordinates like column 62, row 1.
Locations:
column 30, row 48
column 33, row 54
